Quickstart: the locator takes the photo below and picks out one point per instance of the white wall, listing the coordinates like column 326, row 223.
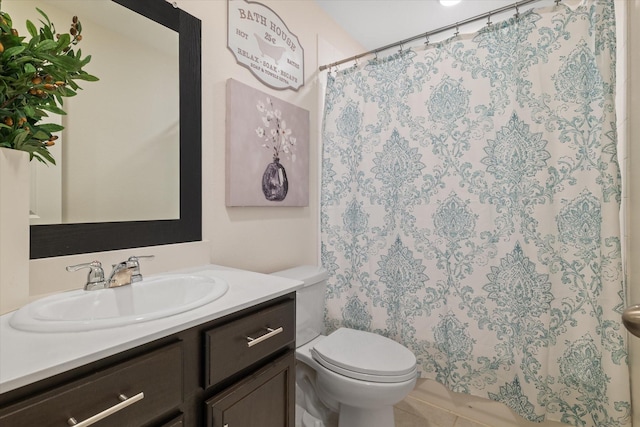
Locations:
column 258, row 239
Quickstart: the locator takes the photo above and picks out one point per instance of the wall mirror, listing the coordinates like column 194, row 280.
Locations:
column 149, row 152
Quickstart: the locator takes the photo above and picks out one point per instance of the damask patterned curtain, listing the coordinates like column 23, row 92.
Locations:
column 470, row 202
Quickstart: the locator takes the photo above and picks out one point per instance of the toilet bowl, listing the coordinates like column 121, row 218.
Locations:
column 363, row 394
column 360, row 375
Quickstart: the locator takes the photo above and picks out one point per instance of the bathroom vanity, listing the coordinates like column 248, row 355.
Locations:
column 228, row 363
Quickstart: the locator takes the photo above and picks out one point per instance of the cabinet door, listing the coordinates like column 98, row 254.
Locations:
column 264, row 399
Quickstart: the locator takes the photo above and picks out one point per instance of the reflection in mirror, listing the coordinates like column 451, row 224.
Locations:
column 129, row 168
column 118, row 156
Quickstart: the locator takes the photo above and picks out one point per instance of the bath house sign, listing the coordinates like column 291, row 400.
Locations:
column 261, row 42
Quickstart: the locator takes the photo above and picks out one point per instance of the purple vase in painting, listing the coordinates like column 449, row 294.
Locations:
column 274, row 181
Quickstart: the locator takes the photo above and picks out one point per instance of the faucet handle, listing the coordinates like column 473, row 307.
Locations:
column 134, row 264
column 95, row 277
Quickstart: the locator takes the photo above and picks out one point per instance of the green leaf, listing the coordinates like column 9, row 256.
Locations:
column 67, row 63
column 63, row 41
column 29, row 111
column 32, row 29
column 53, row 109
column 12, row 51
column 27, row 58
column 29, row 68
column 46, row 45
column 87, row 77
column 45, row 16
column 41, row 135
column 20, row 138
column 50, row 127
column 43, row 155
column 46, row 32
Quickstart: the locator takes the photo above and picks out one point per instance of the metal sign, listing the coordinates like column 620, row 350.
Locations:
column 262, row 43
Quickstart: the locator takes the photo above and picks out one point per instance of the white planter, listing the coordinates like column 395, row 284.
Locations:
column 14, row 229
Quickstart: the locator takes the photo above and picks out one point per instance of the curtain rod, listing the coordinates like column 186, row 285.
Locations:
column 426, row 35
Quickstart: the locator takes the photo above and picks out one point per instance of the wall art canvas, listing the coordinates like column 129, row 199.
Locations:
column 267, row 149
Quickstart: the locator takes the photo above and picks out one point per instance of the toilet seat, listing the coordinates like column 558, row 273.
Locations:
column 365, row 356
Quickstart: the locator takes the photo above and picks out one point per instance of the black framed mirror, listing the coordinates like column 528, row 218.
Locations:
column 69, row 239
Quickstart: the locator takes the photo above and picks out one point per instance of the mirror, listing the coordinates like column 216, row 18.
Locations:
column 89, row 182
column 129, row 225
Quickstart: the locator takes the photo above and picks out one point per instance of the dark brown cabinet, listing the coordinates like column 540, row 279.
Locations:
column 239, row 368
column 264, row 399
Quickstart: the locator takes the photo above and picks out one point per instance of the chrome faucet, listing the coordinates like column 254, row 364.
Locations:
column 123, row 273
column 95, row 278
column 126, row 272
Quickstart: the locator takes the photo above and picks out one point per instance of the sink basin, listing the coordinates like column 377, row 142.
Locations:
column 152, row 298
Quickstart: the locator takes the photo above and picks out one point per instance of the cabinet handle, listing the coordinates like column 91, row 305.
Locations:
column 270, row 333
column 124, row 402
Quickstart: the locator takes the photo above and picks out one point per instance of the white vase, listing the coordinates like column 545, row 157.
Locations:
column 14, row 229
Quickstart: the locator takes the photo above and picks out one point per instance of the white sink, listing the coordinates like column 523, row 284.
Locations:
column 152, row 298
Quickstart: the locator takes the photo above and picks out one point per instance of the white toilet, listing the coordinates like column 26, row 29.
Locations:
column 358, row 374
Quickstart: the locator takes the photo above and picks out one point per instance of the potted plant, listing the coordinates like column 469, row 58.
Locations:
column 36, row 73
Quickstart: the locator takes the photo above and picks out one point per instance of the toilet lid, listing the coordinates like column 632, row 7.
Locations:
column 364, row 355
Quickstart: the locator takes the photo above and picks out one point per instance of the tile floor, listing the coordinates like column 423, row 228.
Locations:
column 430, row 404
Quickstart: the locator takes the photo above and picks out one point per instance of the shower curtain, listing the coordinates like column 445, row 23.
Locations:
column 469, row 210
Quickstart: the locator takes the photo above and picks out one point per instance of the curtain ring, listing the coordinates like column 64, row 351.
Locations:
column 558, row 2
column 376, row 58
column 517, row 15
column 489, row 23
column 457, row 30
column 426, row 35
column 401, row 47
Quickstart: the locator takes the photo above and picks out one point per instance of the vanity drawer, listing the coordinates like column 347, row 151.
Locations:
column 151, row 382
column 229, row 349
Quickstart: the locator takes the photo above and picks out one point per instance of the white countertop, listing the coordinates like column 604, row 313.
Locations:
column 27, row 357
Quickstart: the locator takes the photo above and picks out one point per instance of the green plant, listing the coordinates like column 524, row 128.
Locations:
column 35, row 76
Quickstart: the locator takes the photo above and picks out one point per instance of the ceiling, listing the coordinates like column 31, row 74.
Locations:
column 377, row 23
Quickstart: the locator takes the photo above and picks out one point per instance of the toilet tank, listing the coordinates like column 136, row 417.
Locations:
column 309, row 300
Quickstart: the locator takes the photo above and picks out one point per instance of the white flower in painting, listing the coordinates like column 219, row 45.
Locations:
column 278, row 138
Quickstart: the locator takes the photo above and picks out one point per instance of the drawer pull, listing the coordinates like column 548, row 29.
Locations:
column 124, row 402
column 270, row 333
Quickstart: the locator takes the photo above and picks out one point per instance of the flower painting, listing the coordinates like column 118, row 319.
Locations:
column 267, row 149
